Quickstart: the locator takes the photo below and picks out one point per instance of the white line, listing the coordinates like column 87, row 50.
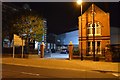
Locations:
column 30, row 73
column 116, row 74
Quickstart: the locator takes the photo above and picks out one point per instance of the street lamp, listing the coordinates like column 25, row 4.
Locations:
column 93, row 25
column 79, row 2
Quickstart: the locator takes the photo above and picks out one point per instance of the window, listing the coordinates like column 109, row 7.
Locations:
column 97, row 29
column 90, row 47
column 90, row 32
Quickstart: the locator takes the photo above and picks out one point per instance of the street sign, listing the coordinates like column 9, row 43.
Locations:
column 18, row 41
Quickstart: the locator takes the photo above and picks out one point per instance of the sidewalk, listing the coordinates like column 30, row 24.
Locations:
column 85, row 65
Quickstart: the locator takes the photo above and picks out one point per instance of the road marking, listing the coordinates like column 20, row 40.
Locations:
column 47, row 67
column 116, row 74
column 30, row 73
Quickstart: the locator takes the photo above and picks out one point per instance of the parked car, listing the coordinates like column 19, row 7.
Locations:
column 53, row 50
column 64, row 51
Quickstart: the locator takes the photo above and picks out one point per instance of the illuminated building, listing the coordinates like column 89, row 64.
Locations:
column 94, row 38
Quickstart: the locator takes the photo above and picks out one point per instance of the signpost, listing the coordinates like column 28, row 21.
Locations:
column 18, row 42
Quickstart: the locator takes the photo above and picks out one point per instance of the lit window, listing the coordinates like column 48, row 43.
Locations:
column 97, row 29
column 90, row 32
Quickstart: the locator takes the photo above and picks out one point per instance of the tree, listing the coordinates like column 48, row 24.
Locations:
column 29, row 26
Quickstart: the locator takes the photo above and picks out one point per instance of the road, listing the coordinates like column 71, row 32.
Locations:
column 15, row 71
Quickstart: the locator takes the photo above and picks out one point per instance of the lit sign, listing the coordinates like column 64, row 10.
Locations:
column 18, row 41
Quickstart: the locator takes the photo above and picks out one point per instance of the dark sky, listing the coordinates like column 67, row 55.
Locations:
column 63, row 16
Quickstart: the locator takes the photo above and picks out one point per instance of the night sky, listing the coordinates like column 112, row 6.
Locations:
column 63, row 16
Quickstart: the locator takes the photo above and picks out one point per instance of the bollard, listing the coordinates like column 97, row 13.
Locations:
column 42, row 50
column 70, row 47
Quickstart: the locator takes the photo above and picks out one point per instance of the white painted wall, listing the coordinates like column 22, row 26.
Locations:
column 65, row 38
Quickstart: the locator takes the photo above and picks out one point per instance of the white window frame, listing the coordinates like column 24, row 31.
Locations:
column 96, row 28
column 91, row 47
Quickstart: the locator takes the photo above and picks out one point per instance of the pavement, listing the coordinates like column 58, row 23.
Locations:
column 57, row 62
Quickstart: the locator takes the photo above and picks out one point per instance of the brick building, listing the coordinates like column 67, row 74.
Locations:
column 94, row 38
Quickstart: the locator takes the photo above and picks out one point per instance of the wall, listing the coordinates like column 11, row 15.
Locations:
column 115, row 35
column 65, row 38
column 104, row 21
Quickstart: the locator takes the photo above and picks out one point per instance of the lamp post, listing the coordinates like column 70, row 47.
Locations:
column 79, row 2
column 93, row 25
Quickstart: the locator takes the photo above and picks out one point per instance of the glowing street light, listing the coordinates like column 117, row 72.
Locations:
column 79, row 2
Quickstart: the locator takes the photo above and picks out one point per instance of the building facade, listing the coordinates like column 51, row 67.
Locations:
column 65, row 38
column 94, row 30
column 8, row 11
column 44, row 36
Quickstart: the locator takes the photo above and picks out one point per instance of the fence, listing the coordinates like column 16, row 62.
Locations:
column 112, row 53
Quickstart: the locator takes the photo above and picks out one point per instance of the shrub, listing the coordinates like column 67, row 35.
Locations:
column 76, row 52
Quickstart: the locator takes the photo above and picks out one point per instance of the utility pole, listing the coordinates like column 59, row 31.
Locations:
column 93, row 25
column 81, row 52
column 81, row 35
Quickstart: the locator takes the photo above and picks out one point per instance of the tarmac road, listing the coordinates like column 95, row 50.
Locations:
column 16, row 71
